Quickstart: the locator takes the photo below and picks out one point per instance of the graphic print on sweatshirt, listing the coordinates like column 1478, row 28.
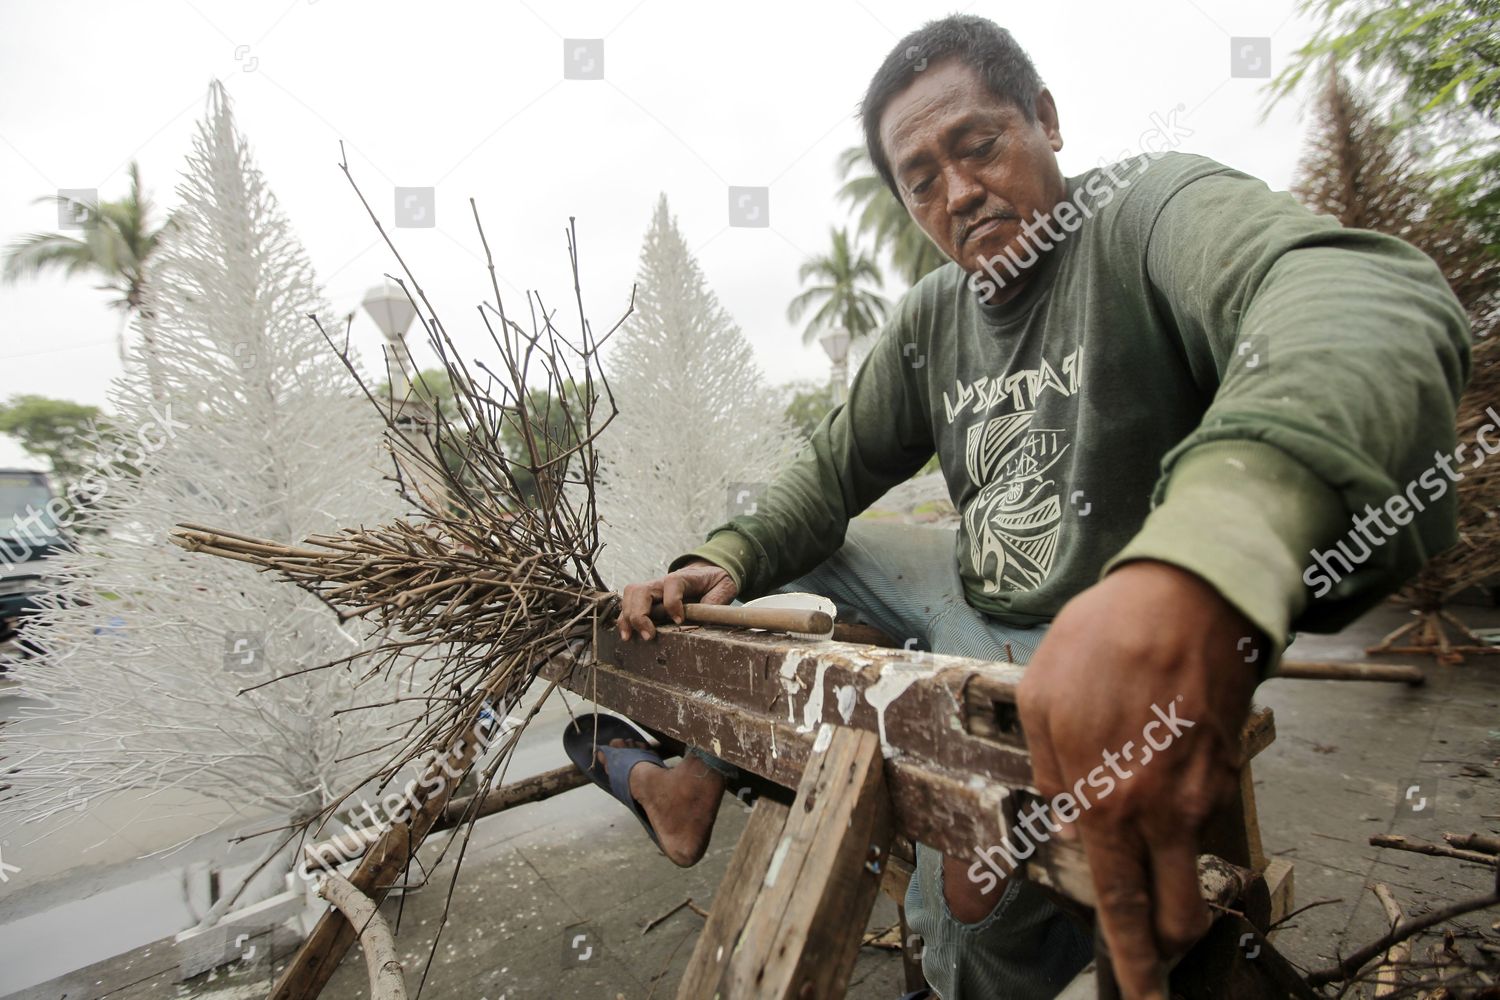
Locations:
column 1013, row 522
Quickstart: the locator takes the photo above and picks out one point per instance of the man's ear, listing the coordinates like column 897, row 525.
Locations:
column 1046, row 116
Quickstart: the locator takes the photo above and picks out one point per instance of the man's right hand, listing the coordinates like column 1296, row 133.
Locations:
column 699, row 582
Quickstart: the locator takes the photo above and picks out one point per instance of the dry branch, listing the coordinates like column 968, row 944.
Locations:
column 1396, row 842
column 1388, row 976
column 1474, row 842
column 1350, row 966
column 387, row 979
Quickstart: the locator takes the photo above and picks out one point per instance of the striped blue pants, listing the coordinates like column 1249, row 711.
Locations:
column 904, row 580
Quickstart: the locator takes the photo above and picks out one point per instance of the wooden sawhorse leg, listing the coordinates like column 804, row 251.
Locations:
column 792, row 908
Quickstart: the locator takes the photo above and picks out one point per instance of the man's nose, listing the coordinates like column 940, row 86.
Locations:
column 965, row 193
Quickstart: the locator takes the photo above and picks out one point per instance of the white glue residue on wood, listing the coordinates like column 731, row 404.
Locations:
column 777, row 860
column 895, row 677
column 847, row 695
column 812, row 711
column 825, row 737
column 791, row 683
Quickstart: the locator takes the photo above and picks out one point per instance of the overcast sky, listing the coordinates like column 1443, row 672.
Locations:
column 472, row 100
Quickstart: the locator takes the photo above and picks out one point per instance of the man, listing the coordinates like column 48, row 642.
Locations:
column 1154, row 389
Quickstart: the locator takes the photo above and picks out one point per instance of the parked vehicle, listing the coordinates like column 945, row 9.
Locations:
column 29, row 533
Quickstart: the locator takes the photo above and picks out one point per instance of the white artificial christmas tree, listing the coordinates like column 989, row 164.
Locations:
column 243, row 416
column 697, row 424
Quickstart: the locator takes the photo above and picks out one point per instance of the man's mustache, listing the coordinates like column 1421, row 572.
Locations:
column 964, row 233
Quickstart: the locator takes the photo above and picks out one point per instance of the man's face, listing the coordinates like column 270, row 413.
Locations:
column 969, row 166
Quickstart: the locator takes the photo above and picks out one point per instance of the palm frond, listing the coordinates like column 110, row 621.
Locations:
column 35, row 253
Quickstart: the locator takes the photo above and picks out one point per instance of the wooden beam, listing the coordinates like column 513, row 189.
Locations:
column 1280, row 886
column 353, row 843
column 912, row 949
column 518, row 793
column 795, row 931
column 732, row 903
column 941, row 806
column 956, row 766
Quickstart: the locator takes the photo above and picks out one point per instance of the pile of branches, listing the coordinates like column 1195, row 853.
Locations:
column 1475, row 560
column 1357, row 170
column 495, row 574
column 1444, row 970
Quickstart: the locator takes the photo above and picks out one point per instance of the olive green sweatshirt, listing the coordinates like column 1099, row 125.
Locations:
column 1198, row 371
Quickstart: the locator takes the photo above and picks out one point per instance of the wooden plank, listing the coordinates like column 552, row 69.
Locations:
column 1280, row 885
column 352, row 843
column 1251, row 815
column 912, row 949
column 955, row 769
column 802, row 936
column 912, row 700
column 522, row 792
column 732, row 903
column 953, row 711
column 896, row 879
column 951, row 811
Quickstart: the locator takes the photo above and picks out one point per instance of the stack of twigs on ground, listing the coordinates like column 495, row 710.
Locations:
column 1358, row 170
column 1445, row 970
column 495, row 576
column 1475, row 560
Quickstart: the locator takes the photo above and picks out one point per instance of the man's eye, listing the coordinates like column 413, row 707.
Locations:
column 983, row 148
column 921, row 186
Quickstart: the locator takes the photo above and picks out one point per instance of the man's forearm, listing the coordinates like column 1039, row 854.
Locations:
column 1242, row 516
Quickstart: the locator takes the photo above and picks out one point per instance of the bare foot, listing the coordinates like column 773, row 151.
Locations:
column 681, row 802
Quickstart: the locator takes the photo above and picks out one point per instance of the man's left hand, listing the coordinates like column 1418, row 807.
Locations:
column 1150, row 642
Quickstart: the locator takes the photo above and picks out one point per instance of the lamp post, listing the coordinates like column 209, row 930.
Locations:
column 836, row 345
column 393, row 312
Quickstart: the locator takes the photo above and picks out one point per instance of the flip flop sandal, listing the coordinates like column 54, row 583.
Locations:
column 579, row 742
column 670, row 746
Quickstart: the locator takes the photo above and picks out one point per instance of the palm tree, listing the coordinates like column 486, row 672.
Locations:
column 846, row 300
column 115, row 245
column 885, row 218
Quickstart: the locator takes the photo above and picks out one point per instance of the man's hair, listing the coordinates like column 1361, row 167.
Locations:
column 977, row 42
